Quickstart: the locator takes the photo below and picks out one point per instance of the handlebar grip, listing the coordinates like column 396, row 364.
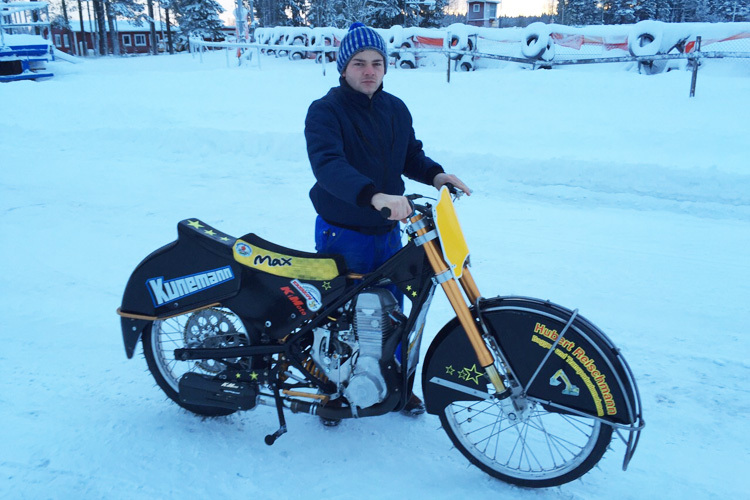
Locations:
column 451, row 188
column 385, row 212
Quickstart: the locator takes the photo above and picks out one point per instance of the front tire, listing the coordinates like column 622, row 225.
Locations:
column 212, row 327
column 534, row 447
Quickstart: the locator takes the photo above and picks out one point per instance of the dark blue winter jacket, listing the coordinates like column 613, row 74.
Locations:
column 359, row 147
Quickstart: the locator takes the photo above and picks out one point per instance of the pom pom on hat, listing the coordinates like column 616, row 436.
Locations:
column 359, row 38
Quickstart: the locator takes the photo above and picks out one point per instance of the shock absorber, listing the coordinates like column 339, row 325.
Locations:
column 313, row 369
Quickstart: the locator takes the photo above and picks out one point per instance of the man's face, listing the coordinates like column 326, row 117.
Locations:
column 365, row 71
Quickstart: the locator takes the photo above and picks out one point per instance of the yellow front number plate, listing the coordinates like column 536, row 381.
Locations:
column 455, row 249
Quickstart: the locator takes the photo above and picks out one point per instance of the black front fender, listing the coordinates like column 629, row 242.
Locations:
column 585, row 373
column 451, row 370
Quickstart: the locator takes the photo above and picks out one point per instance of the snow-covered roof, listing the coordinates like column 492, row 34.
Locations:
column 14, row 7
column 22, row 39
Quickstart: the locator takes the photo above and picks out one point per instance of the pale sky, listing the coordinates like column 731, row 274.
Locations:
column 513, row 8
column 509, row 8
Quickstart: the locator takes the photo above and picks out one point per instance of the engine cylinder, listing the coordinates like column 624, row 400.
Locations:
column 371, row 322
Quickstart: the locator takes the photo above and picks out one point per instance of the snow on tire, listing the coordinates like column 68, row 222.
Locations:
column 458, row 42
column 406, row 59
column 407, row 62
column 549, row 52
column 645, row 38
column 536, row 41
column 466, row 63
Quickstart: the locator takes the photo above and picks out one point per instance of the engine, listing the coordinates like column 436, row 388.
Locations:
column 349, row 350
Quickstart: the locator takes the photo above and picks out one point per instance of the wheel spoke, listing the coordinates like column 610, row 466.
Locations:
column 530, row 443
column 211, row 328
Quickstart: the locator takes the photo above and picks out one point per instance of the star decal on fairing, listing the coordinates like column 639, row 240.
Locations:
column 326, row 285
column 196, row 224
column 471, row 374
column 210, row 232
column 450, row 370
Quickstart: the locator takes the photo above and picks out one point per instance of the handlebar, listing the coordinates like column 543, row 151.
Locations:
column 385, row 212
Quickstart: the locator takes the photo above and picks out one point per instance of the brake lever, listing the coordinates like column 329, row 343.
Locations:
column 453, row 190
column 385, row 212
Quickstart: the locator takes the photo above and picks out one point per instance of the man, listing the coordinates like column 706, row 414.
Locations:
column 360, row 142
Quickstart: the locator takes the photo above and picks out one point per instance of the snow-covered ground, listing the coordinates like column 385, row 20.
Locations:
column 594, row 187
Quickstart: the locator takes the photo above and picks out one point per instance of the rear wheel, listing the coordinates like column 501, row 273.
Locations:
column 207, row 328
column 530, row 447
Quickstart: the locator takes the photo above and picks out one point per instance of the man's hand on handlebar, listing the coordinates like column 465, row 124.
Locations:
column 399, row 206
column 444, row 178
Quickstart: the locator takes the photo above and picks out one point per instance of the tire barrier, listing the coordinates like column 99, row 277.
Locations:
column 461, row 42
column 299, row 40
column 537, row 43
column 648, row 43
column 406, row 58
column 645, row 38
column 466, row 63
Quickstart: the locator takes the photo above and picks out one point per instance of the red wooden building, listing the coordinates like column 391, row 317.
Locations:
column 482, row 13
column 133, row 39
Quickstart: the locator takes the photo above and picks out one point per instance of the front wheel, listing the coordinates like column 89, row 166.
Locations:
column 209, row 328
column 527, row 446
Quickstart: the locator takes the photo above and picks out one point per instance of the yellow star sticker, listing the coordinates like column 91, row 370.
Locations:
column 254, row 376
column 326, row 285
column 463, row 374
column 450, row 370
column 472, row 374
column 413, row 294
column 408, row 288
column 237, row 376
column 196, row 224
column 210, row 232
column 224, row 238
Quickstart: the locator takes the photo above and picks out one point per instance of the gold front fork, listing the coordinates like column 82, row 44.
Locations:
column 450, row 287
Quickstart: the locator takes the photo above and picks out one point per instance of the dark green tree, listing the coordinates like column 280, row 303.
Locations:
column 198, row 18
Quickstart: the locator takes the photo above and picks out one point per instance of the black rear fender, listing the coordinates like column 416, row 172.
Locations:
column 195, row 271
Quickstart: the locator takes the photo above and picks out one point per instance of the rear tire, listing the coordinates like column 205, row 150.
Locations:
column 212, row 327
column 535, row 448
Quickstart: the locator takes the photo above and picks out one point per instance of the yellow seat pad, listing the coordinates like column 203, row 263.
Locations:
column 288, row 264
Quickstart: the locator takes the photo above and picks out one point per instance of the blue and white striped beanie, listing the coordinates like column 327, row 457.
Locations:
column 359, row 38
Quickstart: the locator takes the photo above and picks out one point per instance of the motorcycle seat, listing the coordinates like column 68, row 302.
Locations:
column 253, row 251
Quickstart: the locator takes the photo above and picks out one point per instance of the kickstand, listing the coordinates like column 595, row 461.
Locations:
column 271, row 438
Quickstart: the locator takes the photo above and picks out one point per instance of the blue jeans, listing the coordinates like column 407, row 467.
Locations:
column 363, row 253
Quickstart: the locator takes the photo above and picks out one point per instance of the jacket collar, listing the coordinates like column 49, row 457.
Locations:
column 358, row 97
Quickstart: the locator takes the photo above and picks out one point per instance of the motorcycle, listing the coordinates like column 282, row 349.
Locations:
column 527, row 390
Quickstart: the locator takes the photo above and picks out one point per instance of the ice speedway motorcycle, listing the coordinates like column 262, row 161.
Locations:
column 529, row 391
